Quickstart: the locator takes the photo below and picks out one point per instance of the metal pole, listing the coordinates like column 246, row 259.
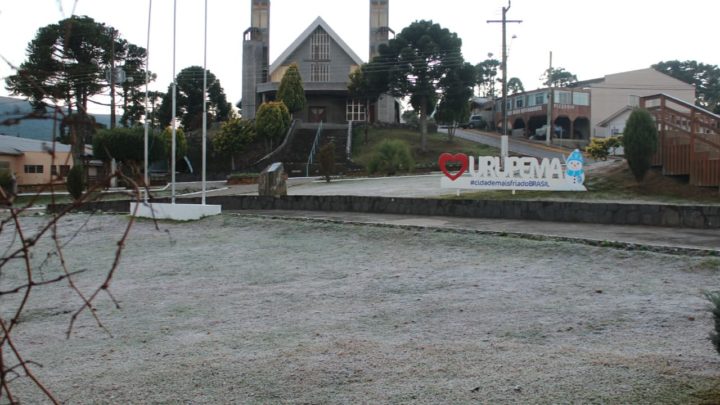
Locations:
column 174, row 109
column 147, row 79
column 204, row 121
column 550, row 128
column 504, row 69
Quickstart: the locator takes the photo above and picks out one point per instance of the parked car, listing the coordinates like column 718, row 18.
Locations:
column 541, row 132
column 476, row 121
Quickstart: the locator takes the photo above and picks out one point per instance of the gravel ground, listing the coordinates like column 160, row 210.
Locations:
column 233, row 309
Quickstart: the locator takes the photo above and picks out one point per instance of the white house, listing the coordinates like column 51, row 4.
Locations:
column 614, row 96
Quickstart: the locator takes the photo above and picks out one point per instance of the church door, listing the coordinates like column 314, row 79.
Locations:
column 317, row 114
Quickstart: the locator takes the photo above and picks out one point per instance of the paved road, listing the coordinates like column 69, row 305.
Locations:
column 515, row 145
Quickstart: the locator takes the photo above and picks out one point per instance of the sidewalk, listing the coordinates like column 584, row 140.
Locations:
column 658, row 239
column 665, row 239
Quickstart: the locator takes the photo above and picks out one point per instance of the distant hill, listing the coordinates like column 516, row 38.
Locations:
column 12, row 111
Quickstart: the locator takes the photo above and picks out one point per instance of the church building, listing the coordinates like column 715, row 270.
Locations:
column 325, row 63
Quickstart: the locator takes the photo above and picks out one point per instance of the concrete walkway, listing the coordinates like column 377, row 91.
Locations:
column 666, row 240
column 681, row 240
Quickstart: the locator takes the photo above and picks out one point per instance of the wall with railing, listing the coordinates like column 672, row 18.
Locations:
column 688, row 139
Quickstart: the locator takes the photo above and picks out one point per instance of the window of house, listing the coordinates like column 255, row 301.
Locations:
column 320, row 45
column 581, row 98
column 540, row 99
column 33, row 168
column 4, row 166
column 563, row 97
column 320, row 72
column 355, row 110
column 519, row 102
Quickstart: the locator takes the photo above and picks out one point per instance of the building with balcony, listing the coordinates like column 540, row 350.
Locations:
column 615, row 95
column 526, row 112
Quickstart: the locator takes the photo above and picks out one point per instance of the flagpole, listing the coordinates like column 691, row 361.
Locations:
column 147, row 80
column 174, row 108
column 204, row 134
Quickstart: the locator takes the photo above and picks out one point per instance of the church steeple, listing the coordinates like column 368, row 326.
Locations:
column 379, row 25
column 256, row 55
column 260, row 20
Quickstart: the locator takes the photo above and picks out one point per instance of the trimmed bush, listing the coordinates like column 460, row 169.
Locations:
column 391, row 156
column 599, row 148
column 640, row 141
column 326, row 158
column 75, row 182
column 714, row 299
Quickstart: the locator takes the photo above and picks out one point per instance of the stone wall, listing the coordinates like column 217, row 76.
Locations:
column 688, row 216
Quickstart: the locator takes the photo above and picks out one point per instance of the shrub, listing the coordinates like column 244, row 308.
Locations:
column 599, row 148
column 640, row 141
column 326, row 158
column 272, row 121
column 391, row 156
column 75, row 182
column 714, row 299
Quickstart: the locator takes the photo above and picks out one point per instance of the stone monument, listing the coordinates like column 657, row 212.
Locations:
column 272, row 181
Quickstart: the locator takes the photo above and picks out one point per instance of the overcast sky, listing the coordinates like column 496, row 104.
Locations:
column 590, row 38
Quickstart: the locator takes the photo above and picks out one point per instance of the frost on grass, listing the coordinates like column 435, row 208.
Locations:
column 237, row 309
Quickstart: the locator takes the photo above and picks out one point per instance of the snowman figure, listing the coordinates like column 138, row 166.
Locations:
column 574, row 173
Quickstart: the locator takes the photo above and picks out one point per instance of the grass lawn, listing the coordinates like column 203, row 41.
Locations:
column 436, row 144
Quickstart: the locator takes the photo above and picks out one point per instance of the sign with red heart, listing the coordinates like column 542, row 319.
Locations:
column 459, row 158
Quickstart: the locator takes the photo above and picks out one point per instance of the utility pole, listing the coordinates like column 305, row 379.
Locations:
column 504, row 22
column 550, row 126
column 112, row 81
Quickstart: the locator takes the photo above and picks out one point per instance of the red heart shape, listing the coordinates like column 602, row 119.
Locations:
column 458, row 157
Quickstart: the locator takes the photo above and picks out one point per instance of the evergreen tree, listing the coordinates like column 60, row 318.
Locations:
column 291, row 91
column 640, row 142
column 272, row 121
column 415, row 63
column 189, row 100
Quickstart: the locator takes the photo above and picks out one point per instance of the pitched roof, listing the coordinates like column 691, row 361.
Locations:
column 12, row 145
column 614, row 115
column 602, row 81
column 319, row 22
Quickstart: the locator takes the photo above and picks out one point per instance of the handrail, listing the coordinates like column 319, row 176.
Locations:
column 681, row 102
column 312, row 151
column 348, row 146
column 283, row 145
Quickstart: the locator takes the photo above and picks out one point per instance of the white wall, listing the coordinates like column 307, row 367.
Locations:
column 614, row 93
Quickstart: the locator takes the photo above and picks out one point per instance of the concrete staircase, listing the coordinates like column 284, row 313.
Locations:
column 296, row 154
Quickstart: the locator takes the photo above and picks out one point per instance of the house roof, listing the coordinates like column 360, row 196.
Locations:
column 614, row 115
column 12, row 145
column 319, row 22
column 602, row 81
column 586, row 83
